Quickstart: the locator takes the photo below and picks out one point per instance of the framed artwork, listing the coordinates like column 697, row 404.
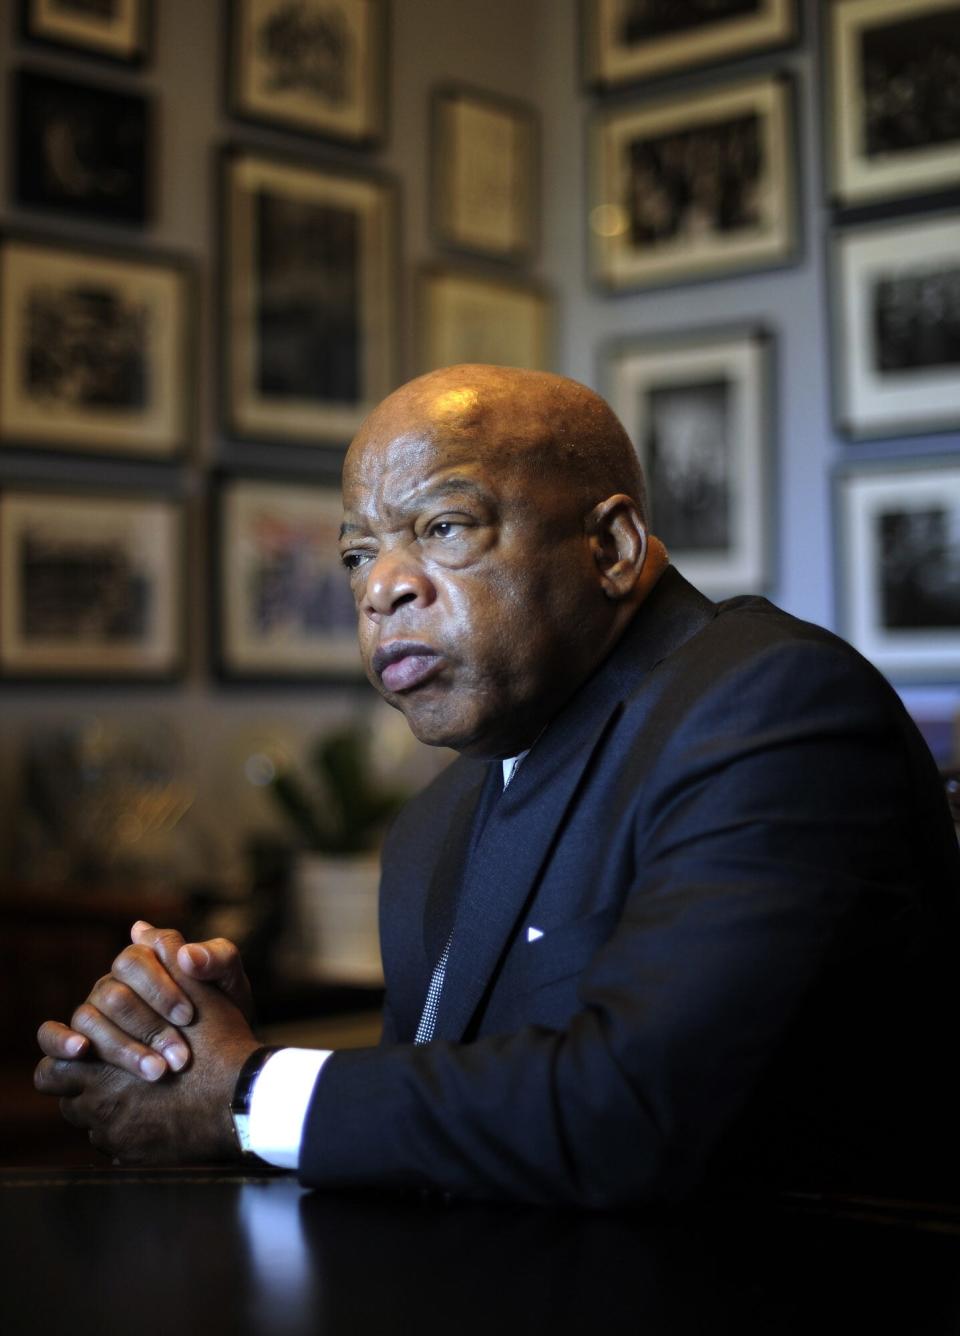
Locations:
column 82, row 148
column 114, row 29
column 694, row 186
column 899, row 567
column 90, row 586
column 626, row 41
column 284, row 606
column 894, row 125
column 896, row 327
column 95, row 349
column 309, row 298
column 699, row 410
column 485, row 179
column 468, row 317
column 318, row 66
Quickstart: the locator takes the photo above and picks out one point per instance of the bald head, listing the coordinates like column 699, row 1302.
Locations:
column 496, row 547
column 528, row 419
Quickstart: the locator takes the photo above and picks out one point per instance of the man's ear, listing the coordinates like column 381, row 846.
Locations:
column 618, row 539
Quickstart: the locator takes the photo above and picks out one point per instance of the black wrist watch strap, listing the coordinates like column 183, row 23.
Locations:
column 242, row 1092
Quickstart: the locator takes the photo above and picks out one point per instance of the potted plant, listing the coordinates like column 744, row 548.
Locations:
column 339, row 813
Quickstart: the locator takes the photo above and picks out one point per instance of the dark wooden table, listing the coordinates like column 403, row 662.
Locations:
column 175, row 1251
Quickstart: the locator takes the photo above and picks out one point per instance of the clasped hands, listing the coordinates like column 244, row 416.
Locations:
column 123, row 1069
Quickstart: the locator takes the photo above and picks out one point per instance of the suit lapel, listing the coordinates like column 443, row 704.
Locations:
column 499, row 876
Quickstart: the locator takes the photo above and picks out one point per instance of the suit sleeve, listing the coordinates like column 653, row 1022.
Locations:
column 771, row 858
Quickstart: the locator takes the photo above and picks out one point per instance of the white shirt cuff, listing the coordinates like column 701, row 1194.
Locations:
column 279, row 1101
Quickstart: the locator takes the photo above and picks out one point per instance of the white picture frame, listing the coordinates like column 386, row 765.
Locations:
column 657, row 218
column 698, row 407
column 284, row 606
column 91, row 585
column 891, row 69
column 899, row 567
column 896, row 327
column 623, row 47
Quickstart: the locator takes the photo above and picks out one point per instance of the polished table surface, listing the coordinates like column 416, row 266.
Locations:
column 190, row 1251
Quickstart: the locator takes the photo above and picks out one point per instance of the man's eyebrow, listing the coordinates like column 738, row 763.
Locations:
column 348, row 527
column 441, row 488
column 455, row 484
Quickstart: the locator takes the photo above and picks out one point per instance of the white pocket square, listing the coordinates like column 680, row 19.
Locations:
column 533, row 934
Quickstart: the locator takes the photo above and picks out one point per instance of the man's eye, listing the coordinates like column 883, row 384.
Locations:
column 444, row 528
column 353, row 560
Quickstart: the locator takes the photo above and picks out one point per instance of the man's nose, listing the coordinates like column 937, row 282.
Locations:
column 395, row 579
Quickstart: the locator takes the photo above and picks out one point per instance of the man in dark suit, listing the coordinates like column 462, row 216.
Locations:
column 702, row 939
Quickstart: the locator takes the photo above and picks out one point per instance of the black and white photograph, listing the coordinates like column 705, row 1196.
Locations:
column 627, row 41
column 900, row 567
column 485, row 173
column 95, row 350
column 310, row 301
column 91, row 585
column 464, row 316
column 285, row 605
column 895, row 114
column 116, row 30
column 697, row 408
column 897, row 327
column 694, row 187
column 317, row 66
column 83, row 149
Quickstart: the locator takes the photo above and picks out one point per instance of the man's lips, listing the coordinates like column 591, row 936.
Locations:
column 402, row 664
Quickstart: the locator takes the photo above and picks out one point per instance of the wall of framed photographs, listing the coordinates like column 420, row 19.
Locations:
column 722, row 224
column 202, row 204
column 791, row 170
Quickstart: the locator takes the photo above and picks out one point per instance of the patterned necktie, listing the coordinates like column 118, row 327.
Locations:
column 428, row 1017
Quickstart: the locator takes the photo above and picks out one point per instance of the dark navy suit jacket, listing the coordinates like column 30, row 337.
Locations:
column 734, row 852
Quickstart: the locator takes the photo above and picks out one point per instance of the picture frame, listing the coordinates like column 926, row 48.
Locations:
column 899, row 567
column 120, row 31
column 91, row 585
column 485, row 174
column 467, row 316
column 628, row 42
column 893, row 121
column 699, row 408
column 284, row 610
column 82, row 148
column 694, row 186
column 309, row 298
column 896, row 327
column 95, row 349
column 319, row 67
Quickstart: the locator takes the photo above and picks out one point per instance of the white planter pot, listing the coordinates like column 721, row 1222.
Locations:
column 334, row 934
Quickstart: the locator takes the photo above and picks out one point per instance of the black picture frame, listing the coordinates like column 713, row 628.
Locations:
column 622, row 47
column 96, row 348
column 659, row 217
column 283, row 609
column 92, row 585
column 317, row 70
column 84, row 149
column 123, row 37
column 308, row 297
column 485, row 173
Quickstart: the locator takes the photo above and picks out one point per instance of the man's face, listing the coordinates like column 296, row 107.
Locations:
column 478, row 603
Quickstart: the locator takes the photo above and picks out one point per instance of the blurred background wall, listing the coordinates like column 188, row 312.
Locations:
column 530, row 51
